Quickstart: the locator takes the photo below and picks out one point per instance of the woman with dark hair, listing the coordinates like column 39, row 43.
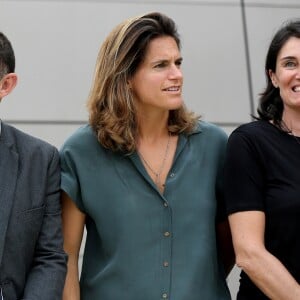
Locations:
column 262, row 180
column 144, row 177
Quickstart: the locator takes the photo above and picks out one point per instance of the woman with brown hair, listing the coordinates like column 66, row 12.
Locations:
column 144, row 178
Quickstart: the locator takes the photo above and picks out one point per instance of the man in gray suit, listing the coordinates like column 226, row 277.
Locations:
column 32, row 260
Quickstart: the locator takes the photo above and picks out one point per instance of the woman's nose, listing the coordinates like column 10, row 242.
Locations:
column 175, row 72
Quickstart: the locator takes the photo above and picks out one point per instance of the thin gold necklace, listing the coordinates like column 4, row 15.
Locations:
column 157, row 174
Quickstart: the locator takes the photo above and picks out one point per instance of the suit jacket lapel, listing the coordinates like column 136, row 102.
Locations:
column 8, row 177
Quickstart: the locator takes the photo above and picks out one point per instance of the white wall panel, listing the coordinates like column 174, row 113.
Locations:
column 56, row 46
column 214, row 63
column 233, row 281
column 282, row 3
column 54, row 134
column 184, row 2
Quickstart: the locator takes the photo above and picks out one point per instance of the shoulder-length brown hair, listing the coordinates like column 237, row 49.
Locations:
column 112, row 113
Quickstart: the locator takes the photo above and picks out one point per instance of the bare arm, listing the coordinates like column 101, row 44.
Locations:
column 264, row 269
column 73, row 226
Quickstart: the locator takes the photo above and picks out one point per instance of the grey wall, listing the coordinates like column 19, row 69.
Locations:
column 56, row 43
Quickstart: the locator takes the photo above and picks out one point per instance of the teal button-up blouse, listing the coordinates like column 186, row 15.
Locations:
column 142, row 245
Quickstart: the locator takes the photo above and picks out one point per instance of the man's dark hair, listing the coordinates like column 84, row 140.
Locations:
column 7, row 56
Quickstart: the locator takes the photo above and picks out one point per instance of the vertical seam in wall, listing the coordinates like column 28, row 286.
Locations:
column 247, row 54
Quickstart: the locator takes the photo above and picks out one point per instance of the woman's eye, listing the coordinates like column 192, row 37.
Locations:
column 178, row 63
column 290, row 64
column 160, row 65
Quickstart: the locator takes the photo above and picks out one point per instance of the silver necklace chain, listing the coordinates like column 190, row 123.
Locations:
column 296, row 138
column 158, row 173
column 290, row 131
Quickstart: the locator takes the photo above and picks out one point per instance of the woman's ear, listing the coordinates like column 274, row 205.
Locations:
column 273, row 78
column 7, row 84
column 129, row 84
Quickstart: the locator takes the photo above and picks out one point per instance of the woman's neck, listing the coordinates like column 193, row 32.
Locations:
column 152, row 129
column 291, row 120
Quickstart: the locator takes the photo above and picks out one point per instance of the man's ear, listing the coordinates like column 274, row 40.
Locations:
column 7, row 84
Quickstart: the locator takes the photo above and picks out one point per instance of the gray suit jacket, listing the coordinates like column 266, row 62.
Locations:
column 32, row 260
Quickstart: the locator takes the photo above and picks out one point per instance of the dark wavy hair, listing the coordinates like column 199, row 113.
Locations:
column 270, row 102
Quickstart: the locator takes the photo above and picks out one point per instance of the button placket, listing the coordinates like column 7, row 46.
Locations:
column 165, row 264
column 166, row 259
